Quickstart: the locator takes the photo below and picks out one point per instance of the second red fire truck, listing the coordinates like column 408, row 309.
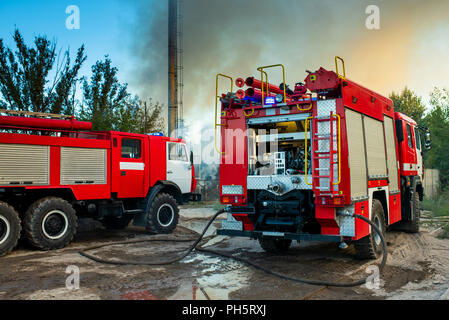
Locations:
column 54, row 169
column 295, row 164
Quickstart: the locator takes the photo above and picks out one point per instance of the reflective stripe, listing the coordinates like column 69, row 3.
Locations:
column 132, row 166
column 410, row 167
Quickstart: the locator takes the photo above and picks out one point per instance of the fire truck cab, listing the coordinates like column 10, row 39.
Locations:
column 54, row 169
column 296, row 163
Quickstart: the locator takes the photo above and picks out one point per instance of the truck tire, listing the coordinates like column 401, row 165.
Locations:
column 9, row 228
column 121, row 223
column 163, row 214
column 413, row 226
column 370, row 247
column 275, row 245
column 50, row 223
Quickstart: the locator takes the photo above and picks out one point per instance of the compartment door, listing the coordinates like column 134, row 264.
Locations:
column 132, row 168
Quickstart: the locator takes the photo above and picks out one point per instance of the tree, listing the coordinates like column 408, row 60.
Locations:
column 151, row 118
column 103, row 96
column 24, row 74
column 409, row 103
column 437, row 120
column 109, row 106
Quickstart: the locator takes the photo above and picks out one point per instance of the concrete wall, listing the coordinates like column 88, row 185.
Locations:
column 431, row 182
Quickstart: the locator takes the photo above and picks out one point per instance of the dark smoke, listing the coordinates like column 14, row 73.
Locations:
column 236, row 36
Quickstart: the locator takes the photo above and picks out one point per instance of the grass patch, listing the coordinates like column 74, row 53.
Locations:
column 218, row 205
column 439, row 206
column 444, row 234
column 196, row 204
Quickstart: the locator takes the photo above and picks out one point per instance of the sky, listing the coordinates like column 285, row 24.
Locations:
column 237, row 36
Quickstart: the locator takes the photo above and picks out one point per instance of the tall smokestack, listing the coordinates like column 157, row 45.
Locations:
column 172, row 68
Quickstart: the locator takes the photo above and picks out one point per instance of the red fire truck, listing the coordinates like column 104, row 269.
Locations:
column 296, row 163
column 53, row 169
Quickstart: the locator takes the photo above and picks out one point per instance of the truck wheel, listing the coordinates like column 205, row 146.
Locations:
column 413, row 226
column 9, row 228
column 370, row 247
column 50, row 223
column 163, row 214
column 117, row 223
column 274, row 245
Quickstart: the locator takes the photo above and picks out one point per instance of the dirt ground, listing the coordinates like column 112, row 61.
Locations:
column 417, row 268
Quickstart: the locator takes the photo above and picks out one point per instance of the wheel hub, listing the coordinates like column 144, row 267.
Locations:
column 4, row 229
column 55, row 224
column 165, row 215
column 377, row 236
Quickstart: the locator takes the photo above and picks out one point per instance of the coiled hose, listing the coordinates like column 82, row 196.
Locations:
column 195, row 246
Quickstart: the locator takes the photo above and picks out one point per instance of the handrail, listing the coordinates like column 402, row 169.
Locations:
column 216, row 107
column 308, row 109
column 261, row 69
column 306, row 153
column 336, row 67
column 339, row 148
column 250, row 114
column 266, row 79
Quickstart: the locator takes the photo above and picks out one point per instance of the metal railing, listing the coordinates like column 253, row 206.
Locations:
column 216, row 107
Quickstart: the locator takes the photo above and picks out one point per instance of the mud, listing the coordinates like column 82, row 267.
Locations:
column 416, row 269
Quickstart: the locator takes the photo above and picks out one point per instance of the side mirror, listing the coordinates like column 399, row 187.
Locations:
column 428, row 141
column 191, row 158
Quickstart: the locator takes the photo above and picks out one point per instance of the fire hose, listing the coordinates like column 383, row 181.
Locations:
column 195, row 246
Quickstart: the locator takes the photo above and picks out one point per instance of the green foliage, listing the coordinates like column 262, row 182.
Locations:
column 437, row 120
column 151, row 118
column 409, row 103
column 24, row 85
column 103, row 96
column 24, row 74
column 439, row 206
column 109, row 106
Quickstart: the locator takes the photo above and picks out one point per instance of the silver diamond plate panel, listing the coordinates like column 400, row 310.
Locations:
column 232, row 189
column 288, row 182
column 231, row 224
column 324, row 107
column 347, row 224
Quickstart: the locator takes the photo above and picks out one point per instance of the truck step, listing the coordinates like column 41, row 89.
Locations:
column 133, row 211
column 274, row 222
column 323, row 189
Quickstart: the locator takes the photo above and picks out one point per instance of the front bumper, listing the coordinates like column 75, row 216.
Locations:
column 282, row 235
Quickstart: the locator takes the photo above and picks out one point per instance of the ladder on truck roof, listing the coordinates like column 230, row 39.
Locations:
column 325, row 154
column 34, row 114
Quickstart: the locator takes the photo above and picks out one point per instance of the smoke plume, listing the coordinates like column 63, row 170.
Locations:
column 237, row 36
